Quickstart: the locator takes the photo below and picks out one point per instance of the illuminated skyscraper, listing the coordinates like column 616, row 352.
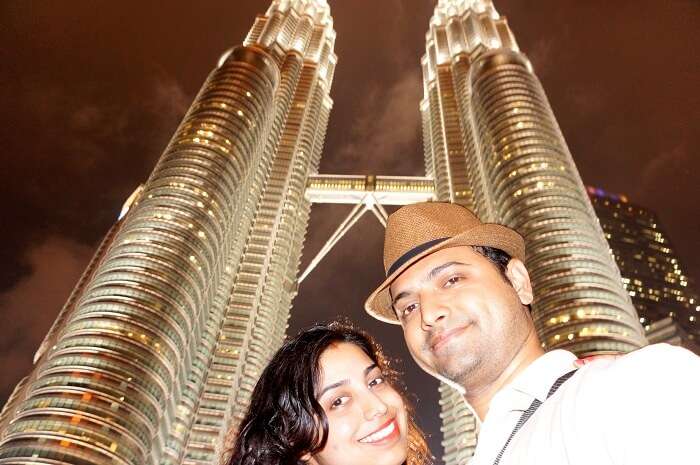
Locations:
column 493, row 144
column 155, row 359
column 652, row 272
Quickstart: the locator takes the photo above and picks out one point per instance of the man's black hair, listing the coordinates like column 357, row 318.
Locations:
column 496, row 256
column 500, row 259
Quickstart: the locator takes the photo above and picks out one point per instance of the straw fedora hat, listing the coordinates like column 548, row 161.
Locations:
column 419, row 229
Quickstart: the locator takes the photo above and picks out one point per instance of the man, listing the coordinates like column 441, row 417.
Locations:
column 461, row 292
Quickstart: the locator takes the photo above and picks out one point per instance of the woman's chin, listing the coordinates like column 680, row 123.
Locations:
column 393, row 453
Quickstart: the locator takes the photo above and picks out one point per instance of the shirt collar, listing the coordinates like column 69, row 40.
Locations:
column 538, row 378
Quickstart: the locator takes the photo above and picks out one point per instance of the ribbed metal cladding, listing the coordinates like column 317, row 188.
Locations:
column 78, row 291
column 453, row 132
column 480, row 199
column 580, row 304
column 205, row 426
column 437, row 156
column 459, row 426
column 106, row 391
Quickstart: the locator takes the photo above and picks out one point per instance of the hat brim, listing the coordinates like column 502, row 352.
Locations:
column 378, row 304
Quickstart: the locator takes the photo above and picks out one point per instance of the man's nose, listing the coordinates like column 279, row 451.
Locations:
column 433, row 310
column 374, row 406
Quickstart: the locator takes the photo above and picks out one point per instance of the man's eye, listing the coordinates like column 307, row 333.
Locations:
column 408, row 309
column 376, row 381
column 452, row 281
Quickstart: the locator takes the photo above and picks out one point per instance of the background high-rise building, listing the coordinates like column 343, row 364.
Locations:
column 493, row 144
column 652, row 272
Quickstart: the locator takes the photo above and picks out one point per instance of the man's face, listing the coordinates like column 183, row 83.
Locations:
column 461, row 318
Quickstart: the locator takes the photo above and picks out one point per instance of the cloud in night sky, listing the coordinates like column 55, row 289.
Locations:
column 30, row 307
column 388, row 125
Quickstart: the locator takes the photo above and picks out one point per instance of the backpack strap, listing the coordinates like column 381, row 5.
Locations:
column 530, row 411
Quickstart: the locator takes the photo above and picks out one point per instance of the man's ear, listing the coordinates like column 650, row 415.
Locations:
column 520, row 279
column 309, row 459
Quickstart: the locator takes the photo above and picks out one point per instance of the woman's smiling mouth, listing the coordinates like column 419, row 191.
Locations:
column 387, row 431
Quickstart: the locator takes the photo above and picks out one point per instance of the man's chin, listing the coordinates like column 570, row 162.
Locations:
column 459, row 371
column 449, row 363
column 452, row 354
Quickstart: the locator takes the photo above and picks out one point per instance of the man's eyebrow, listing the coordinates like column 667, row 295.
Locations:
column 344, row 381
column 431, row 275
column 398, row 297
column 440, row 268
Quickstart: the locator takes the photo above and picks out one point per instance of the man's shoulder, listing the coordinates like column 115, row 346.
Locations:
column 650, row 392
column 663, row 357
column 649, row 370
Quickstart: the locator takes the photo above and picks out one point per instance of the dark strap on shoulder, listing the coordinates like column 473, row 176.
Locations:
column 530, row 411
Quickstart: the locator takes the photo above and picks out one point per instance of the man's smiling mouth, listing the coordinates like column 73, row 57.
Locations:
column 439, row 340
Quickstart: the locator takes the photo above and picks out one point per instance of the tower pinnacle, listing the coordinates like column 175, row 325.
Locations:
column 446, row 9
column 466, row 26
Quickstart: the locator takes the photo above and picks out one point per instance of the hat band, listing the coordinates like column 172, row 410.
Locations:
column 412, row 253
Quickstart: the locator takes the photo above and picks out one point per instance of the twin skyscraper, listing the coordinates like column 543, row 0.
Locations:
column 154, row 356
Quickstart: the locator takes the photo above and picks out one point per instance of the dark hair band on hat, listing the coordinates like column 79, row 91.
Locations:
column 412, row 253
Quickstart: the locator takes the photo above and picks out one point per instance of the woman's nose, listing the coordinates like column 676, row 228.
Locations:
column 374, row 406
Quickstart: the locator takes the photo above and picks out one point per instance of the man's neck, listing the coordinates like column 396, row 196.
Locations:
column 480, row 397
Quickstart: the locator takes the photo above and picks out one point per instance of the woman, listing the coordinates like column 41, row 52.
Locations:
column 329, row 397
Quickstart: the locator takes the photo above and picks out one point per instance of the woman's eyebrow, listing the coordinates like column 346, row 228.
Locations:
column 370, row 368
column 332, row 386
column 344, row 381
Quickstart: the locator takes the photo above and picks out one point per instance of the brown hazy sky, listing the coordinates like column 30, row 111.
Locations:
column 91, row 91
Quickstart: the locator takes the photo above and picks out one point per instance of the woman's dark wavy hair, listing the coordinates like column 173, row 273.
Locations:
column 285, row 421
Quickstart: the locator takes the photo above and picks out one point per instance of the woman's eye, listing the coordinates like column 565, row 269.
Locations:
column 340, row 401
column 376, row 381
column 452, row 280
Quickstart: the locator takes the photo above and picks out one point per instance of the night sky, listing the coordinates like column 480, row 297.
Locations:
column 91, row 92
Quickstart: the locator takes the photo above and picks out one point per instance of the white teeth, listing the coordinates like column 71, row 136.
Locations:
column 381, row 434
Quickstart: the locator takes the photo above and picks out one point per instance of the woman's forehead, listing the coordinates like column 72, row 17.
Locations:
column 342, row 360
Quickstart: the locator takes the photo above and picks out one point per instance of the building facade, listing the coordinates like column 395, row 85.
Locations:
column 652, row 272
column 492, row 144
column 154, row 359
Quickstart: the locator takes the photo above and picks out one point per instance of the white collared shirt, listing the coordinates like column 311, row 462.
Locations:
column 641, row 408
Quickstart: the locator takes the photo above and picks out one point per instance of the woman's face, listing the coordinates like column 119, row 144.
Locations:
column 367, row 419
